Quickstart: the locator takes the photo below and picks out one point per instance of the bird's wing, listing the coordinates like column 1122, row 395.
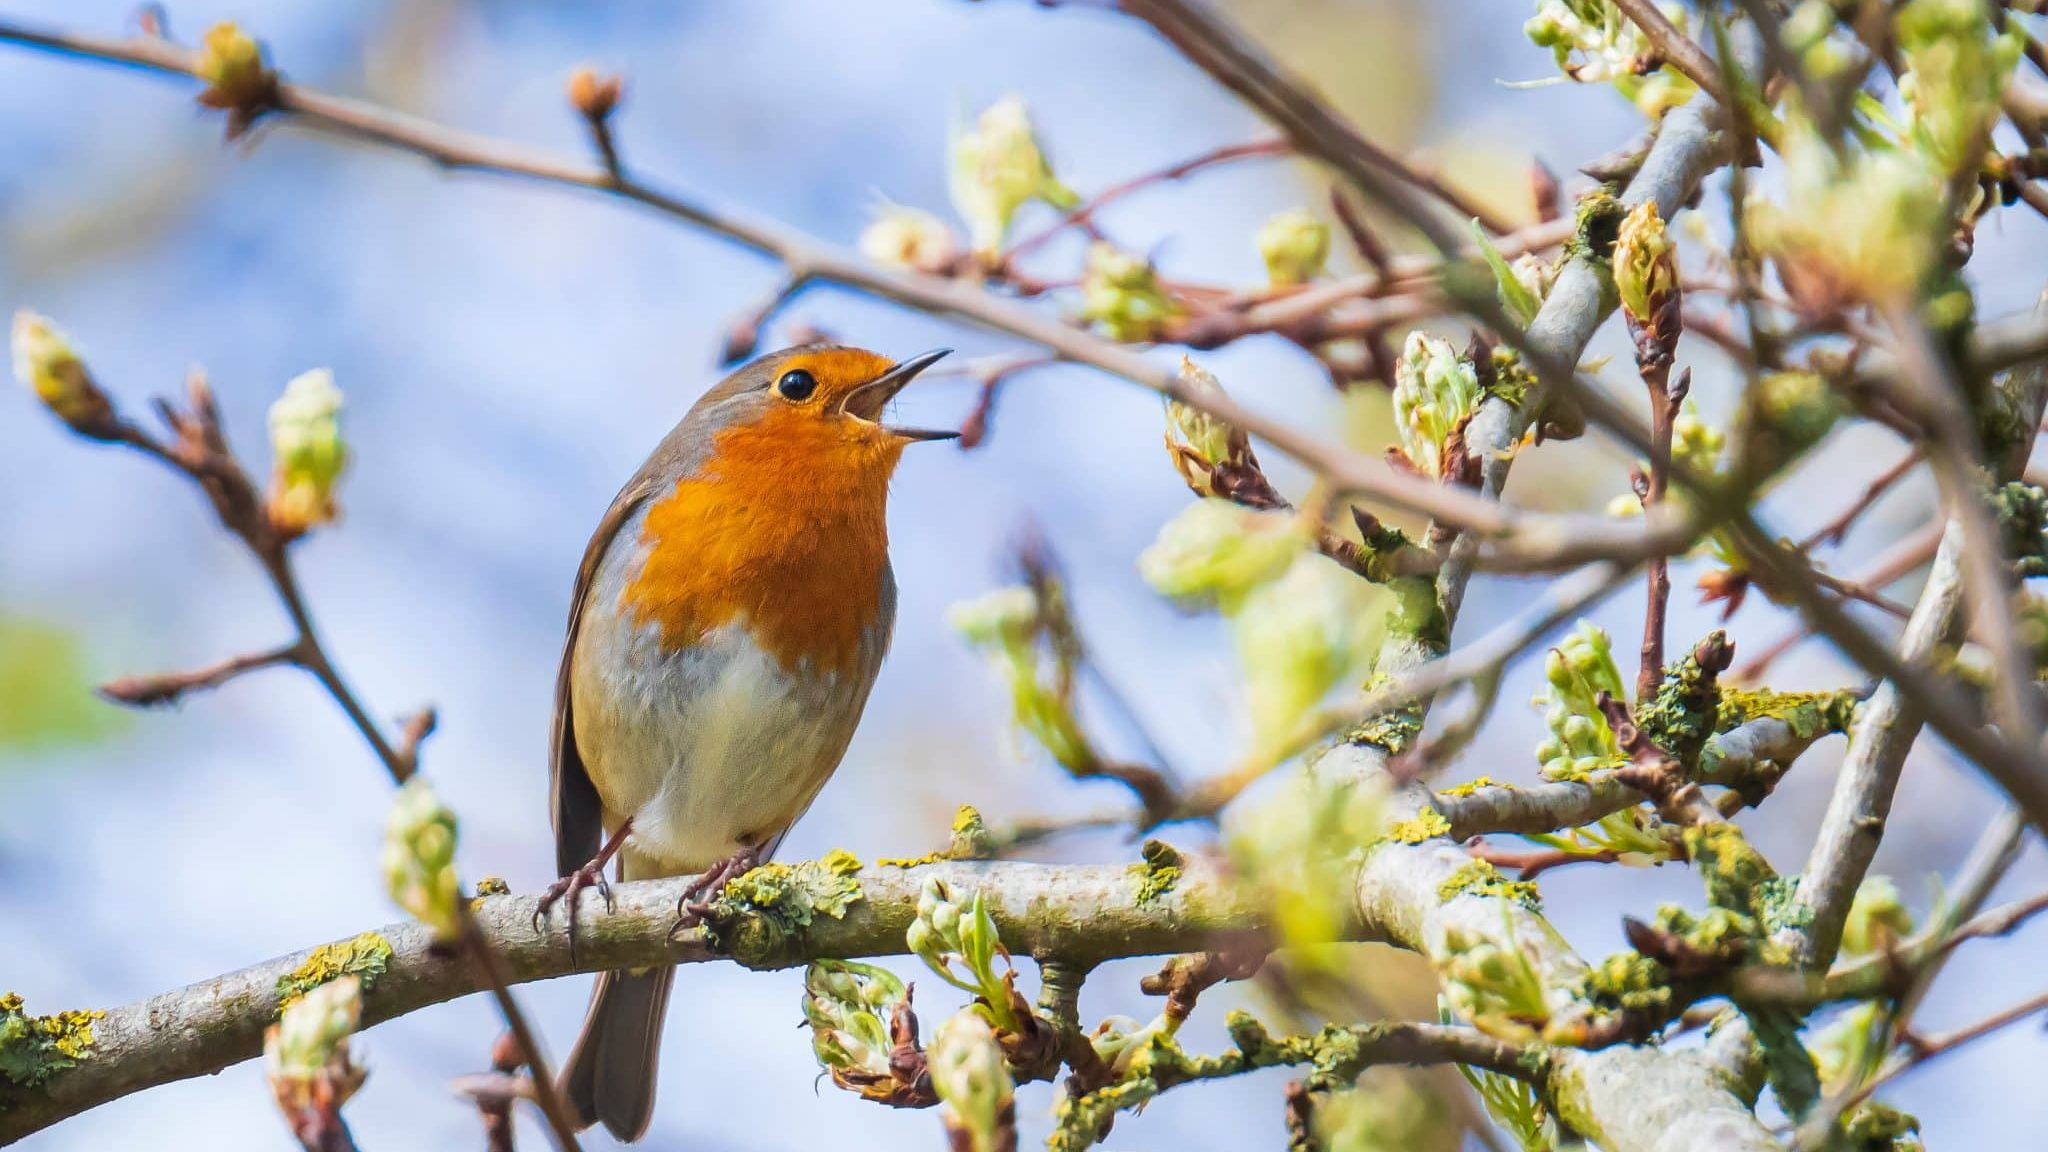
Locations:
column 578, row 815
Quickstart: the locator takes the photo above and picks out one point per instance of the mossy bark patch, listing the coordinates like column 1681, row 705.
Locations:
column 34, row 1048
column 762, row 911
column 365, row 957
column 1158, row 872
column 1478, row 878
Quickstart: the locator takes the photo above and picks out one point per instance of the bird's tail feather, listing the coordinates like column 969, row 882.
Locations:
column 610, row 1074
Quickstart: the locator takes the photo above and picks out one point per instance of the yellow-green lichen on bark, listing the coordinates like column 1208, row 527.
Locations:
column 1471, row 786
column 1734, row 873
column 1426, row 824
column 970, row 840
column 761, row 911
column 34, row 1048
column 1390, row 730
column 365, row 957
column 1630, row 982
column 1478, row 878
column 1157, row 872
column 1683, row 714
column 1599, row 218
column 1876, row 1127
column 1810, row 715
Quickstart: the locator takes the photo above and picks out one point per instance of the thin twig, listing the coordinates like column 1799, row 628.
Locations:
column 1084, row 215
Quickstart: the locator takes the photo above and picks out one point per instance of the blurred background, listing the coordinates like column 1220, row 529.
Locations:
column 510, row 353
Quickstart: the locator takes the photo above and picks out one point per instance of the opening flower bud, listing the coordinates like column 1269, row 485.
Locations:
column 908, row 238
column 1121, row 294
column 47, row 363
column 306, row 1054
column 1295, row 246
column 997, row 168
column 419, row 858
column 969, row 1073
column 305, row 437
column 1645, row 264
column 1435, row 391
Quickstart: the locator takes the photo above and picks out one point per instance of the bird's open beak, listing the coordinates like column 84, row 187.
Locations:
column 867, row 401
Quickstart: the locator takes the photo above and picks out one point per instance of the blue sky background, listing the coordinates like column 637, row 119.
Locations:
column 511, row 352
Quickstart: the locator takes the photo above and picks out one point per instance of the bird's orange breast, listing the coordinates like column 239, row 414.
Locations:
column 783, row 528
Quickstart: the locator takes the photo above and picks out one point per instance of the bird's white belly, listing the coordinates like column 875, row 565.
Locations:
column 709, row 748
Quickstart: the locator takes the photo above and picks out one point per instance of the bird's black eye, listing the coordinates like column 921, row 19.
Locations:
column 796, row 384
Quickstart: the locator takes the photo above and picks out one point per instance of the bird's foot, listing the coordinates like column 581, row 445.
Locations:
column 570, row 887
column 696, row 900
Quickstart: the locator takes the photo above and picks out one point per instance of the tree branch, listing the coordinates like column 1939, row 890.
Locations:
column 1884, row 733
column 1074, row 913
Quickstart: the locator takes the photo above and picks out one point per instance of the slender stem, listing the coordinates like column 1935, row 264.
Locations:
column 1084, row 215
column 1679, row 50
column 1933, row 1047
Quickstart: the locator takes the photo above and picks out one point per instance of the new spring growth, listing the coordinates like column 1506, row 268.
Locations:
column 1120, row 293
column 1594, row 43
column 1515, row 1105
column 1957, row 66
column 238, row 80
column 1493, row 984
column 1521, row 286
column 419, row 858
column 1841, row 1047
column 1798, row 408
column 1214, row 552
column 1577, row 672
column 1645, row 266
column 1119, row 1039
column 595, row 97
column 998, row 167
column 1011, row 627
column 912, row 238
column 1878, row 920
column 947, row 931
column 305, row 438
column 1812, row 33
column 48, row 364
column 1295, row 245
column 1435, row 391
column 1294, row 847
column 1212, row 456
column 1867, row 228
column 1635, row 836
column 1315, row 628
column 849, row 1008
column 1695, row 443
column 306, row 1055
column 969, row 1073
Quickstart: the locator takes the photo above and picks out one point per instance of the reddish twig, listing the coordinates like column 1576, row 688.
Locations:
column 1833, row 531
column 1531, row 863
column 1084, row 215
column 168, row 687
column 1925, row 1049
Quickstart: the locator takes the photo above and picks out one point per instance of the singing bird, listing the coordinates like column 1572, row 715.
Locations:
column 728, row 620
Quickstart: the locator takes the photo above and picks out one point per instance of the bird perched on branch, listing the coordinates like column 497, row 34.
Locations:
column 728, row 620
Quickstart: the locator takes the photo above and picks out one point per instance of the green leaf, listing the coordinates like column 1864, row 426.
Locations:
column 1515, row 296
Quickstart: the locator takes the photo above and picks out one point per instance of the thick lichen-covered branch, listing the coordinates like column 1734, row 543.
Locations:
column 781, row 916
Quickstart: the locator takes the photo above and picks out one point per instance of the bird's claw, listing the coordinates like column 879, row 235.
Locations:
column 696, row 900
column 570, row 888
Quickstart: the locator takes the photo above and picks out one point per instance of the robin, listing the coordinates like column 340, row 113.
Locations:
column 728, row 620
